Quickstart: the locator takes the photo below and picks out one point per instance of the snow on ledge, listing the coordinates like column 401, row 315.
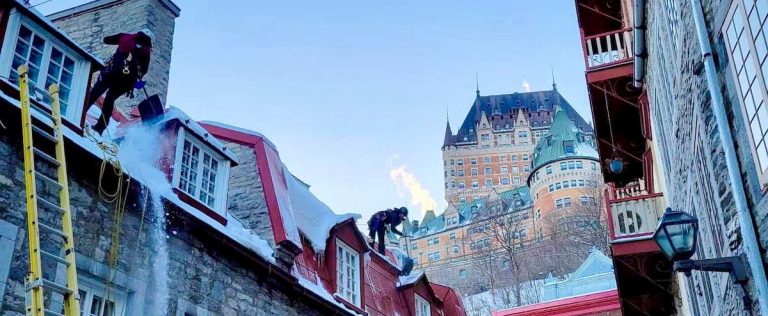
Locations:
column 406, row 280
column 317, row 288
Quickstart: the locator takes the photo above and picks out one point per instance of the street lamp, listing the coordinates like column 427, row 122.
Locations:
column 676, row 236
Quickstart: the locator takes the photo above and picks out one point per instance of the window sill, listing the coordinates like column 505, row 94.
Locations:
column 349, row 305
column 186, row 198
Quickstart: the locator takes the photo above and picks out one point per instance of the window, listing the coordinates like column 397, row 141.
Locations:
column 453, row 184
column 488, row 170
column 551, row 188
column 525, row 156
column 452, row 172
column 563, row 166
column 463, row 273
column 347, row 273
column 522, row 134
column 505, row 264
column 559, row 203
column 594, row 166
column 473, row 161
column 488, row 183
column 579, row 165
column 504, row 181
column 516, row 180
column 571, row 165
column 455, row 248
column 485, row 137
column 452, row 236
column 93, row 301
column 538, row 214
column 487, row 159
column 581, row 183
column 452, row 162
column 567, row 202
column 475, row 185
column 504, row 170
column 558, row 186
column 527, row 168
column 503, row 158
column 461, row 172
column 414, row 246
column 515, row 169
column 568, row 147
column 566, row 184
column 514, row 157
column 573, row 183
column 745, row 35
column 49, row 62
column 460, row 162
column 200, row 172
column 474, row 171
column 549, row 169
column 462, row 200
column 422, row 306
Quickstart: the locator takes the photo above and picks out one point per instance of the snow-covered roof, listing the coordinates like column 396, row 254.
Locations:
column 241, row 130
column 410, row 279
column 313, row 217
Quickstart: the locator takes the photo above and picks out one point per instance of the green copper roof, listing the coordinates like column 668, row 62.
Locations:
column 563, row 133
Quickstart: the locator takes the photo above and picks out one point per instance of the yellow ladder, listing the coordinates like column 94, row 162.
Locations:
column 36, row 284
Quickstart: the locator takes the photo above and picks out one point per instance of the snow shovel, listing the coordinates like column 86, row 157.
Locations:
column 151, row 109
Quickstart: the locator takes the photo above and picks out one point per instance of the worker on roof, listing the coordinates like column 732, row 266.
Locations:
column 122, row 73
column 383, row 221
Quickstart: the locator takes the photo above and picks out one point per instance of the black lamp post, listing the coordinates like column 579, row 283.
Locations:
column 677, row 234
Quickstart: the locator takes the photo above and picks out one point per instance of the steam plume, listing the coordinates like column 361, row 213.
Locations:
column 526, row 86
column 408, row 185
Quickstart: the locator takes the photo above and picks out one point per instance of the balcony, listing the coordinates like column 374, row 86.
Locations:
column 633, row 212
column 607, row 49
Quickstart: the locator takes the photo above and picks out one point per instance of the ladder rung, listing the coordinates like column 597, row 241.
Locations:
column 46, row 178
column 56, row 287
column 42, row 111
column 54, row 257
column 52, row 313
column 44, row 134
column 52, row 230
column 46, row 157
column 49, row 204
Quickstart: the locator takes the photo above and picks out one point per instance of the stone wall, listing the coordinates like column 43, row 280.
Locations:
column 88, row 27
column 691, row 154
column 203, row 274
column 246, row 200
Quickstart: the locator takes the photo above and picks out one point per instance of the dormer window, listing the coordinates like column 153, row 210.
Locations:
column 568, row 147
column 201, row 172
column 347, row 273
column 49, row 62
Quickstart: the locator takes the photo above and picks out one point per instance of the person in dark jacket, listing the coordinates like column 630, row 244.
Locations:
column 123, row 72
column 378, row 223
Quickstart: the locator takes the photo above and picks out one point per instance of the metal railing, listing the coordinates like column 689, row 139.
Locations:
column 609, row 48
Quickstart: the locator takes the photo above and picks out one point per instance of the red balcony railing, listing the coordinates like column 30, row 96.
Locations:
column 633, row 213
column 606, row 49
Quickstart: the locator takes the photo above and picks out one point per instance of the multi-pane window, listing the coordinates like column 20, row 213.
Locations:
column 488, row 170
column 347, row 273
column 503, row 158
column 463, row 273
column 49, row 62
column 473, row 161
column 452, row 236
column 559, row 203
column 460, row 162
column 487, row 159
column 549, row 169
column 422, row 306
column 515, row 169
column 563, row 166
column 488, row 183
column 514, row 157
column 747, row 45
column 525, row 156
column 516, row 180
column 462, row 185
column 474, row 171
column 505, row 181
column 485, row 137
column 461, row 172
column 93, row 301
column 475, row 184
column 455, row 249
column 198, row 173
column 504, row 170
column 568, row 147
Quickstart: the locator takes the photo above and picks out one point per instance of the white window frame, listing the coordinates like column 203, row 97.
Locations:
column 758, row 86
column 422, row 306
column 222, row 172
column 88, row 289
column 341, row 273
column 81, row 71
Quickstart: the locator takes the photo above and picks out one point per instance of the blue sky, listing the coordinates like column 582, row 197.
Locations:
column 342, row 87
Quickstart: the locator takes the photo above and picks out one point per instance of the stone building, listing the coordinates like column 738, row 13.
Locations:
column 560, row 193
column 678, row 102
column 213, row 224
column 564, row 177
column 493, row 146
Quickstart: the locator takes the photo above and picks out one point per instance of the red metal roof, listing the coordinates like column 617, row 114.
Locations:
column 590, row 304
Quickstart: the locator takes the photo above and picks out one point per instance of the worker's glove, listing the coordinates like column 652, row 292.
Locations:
column 139, row 84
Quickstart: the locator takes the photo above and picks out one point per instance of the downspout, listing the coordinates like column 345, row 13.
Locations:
column 751, row 247
column 638, row 33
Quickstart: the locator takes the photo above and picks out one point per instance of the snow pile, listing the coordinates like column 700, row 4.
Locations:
column 317, row 288
column 138, row 157
column 313, row 217
column 409, row 279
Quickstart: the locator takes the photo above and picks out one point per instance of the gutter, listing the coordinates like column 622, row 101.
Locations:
column 638, row 33
column 751, row 246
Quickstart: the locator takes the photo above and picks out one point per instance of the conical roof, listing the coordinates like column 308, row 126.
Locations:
column 563, row 140
column 448, row 140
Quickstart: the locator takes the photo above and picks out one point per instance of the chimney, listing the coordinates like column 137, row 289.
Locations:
column 89, row 23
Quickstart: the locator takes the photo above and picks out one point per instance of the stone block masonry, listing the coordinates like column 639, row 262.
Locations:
column 90, row 23
column 203, row 274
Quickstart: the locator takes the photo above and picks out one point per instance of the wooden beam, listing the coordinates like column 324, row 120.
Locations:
column 595, row 10
column 615, row 95
column 619, row 149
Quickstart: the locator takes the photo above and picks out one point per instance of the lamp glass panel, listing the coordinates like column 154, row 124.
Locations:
column 681, row 236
